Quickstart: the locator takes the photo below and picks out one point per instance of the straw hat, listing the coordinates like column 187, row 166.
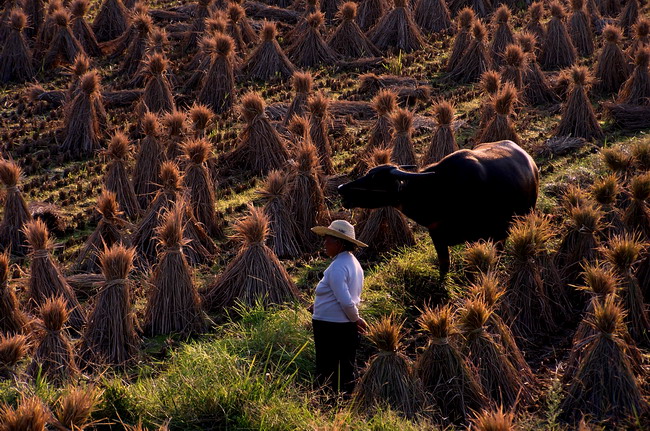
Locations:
column 340, row 229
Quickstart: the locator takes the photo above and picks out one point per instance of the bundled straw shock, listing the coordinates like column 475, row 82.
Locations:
column 174, row 305
column 13, row 349
column 389, row 379
column 464, row 22
column 558, row 50
column 578, row 117
column 16, row 56
column 267, row 60
column 302, row 86
column 445, row 374
column 348, row 39
column 110, row 337
column 604, row 385
column 319, row 117
column 397, row 30
column 475, row 59
column 46, row 280
column 403, row 152
column 29, row 415
column 255, row 274
column 54, row 357
column 116, row 178
column 12, row 319
column 612, row 69
column 16, row 214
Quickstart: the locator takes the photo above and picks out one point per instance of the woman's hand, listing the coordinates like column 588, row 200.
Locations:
column 362, row 326
column 311, row 308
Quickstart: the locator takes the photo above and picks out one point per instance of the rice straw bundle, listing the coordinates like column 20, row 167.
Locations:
column 623, row 252
column 641, row 37
column 605, row 191
column 384, row 229
column 157, row 96
column 641, row 156
column 348, row 39
column 629, row 16
column 83, row 117
column 527, row 302
column 445, row 374
column 75, row 408
column 500, row 127
column 218, row 85
column 267, row 60
column 13, row 350
column 30, row 415
column 106, row 234
column 116, row 178
column 260, row 149
column 535, row 16
column 636, row 90
column 79, row 67
column 384, row 103
column 600, row 282
column 475, row 59
column 514, row 66
column 397, row 30
column 389, row 380
column 604, row 385
column 173, row 305
column 151, row 154
column 580, row 29
column 464, row 22
column 16, row 56
column 401, row 144
column 432, row 16
column 499, row 378
column 12, row 318
column 502, row 34
column 578, row 117
column 255, row 274
column 82, row 30
column 283, row 238
column 240, row 28
column 612, row 69
column 306, row 197
column 132, row 45
column 490, row 85
column 54, row 358
column 175, row 123
column 488, row 289
column 64, row 47
column 34, row 9
column 111, row 21
column 16, row 214
column 110, row 337
column 536, row 88
column 580, row 242
column 617, row 161
column 370, row 12
column 197, row 27
column 200, row 115
column 310, row 49
column 46, row 280
column 558, row 50
column 494, row 420
column 319, row 119
column 443, row 141
column 302, row 83
column 47, row 30
column 480, row 258
column 637, row 214
column 198, row 181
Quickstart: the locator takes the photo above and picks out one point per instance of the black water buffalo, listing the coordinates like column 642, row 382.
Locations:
column 468, row 195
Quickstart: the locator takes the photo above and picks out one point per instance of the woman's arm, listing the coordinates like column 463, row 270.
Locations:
column 337, row 282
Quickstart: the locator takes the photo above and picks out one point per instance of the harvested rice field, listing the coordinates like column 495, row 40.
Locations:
column 163, row 162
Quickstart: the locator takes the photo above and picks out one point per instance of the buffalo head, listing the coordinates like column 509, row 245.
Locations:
column 380, row 187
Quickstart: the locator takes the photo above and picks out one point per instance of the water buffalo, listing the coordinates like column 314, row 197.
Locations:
column 468, row 195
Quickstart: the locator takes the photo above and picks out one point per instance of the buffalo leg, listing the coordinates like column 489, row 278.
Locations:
column 443, row 258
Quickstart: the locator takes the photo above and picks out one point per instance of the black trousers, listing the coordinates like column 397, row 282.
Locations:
column 336, row 348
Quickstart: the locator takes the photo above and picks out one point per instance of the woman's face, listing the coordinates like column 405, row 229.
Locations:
column 333, row 246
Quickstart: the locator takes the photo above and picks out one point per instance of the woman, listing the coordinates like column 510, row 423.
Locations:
column 336, row 319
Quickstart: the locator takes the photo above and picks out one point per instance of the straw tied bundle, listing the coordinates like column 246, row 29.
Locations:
column 46, row 281
column 445, row 374
column 389, row 380
column 255, row 274
column 13, row 350
column 110, row 337
column 174, row 305
column 54, row 357
column 12, row 238
column 12, row 319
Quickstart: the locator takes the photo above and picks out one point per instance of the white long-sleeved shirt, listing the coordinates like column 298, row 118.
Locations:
column 338, row 293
